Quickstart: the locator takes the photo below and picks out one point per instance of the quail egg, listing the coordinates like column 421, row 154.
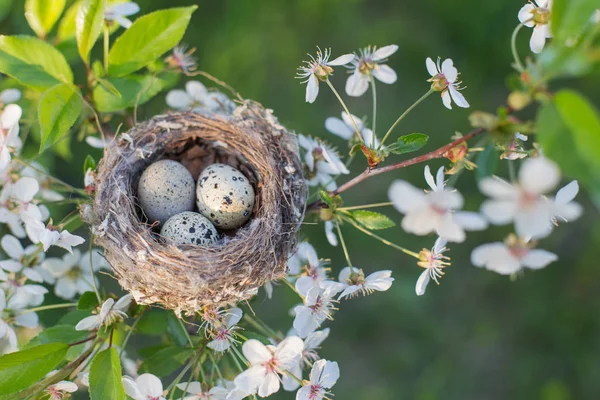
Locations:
column 166, row 188
column 189, row 228
column 225, row 196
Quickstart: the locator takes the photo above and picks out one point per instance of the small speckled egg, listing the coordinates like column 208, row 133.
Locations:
column 189, row 228
column 166, row 188
column 225, row 196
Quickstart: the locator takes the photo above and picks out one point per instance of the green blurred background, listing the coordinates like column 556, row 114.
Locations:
column 478, row 335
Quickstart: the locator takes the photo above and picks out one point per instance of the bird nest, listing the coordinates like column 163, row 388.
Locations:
column 187, row 278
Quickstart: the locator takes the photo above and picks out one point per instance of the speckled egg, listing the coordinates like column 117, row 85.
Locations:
column 189, row 228
column 225, row 196
column 166, row 188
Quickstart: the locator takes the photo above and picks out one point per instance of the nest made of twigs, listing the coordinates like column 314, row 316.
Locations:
column 187, row 278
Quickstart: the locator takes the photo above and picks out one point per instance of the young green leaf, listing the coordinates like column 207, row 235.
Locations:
column 372, row 220
column 109, row 86
column 356, row 148
column 487, row 161
column 326, row 198
column 408, row 143
column 59, row 109
column 105, row 376
column 88, row 300
column 43, row 14
column 569, row 17
column 33, row 62
column 166, row 361
column 133, row 89
column 19, row 370
column 66, row 26
column 58, row 334
column 148, row 38
column 88, row 26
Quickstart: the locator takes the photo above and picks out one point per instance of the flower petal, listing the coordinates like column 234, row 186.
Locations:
column 405, row 197
column 178, row 99
column 255, row 352
column 431, row 67
column 538, row 39
column 525, row 15
column 457, row 97
column 539, row 175
column 338, row 128
column 449, row 70
column 312, row 89
column 384, row 52
column 449, row 229
column 537, row 258
column 12, row 247
column 470, row 221
column 385, row 73
column 196, row 90
column 567, row 193
column 357, row 84
column 342, row 60
column 446, row 99
column 499, row 212
column 150, row 386
column 422, row 283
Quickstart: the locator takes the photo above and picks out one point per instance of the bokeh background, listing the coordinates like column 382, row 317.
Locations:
column 476, row 336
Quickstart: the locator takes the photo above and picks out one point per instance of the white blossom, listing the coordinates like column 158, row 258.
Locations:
column 319, row 68
column 369, row 64
column 38, row 232
column 11, row 95
column 435, row 211
column 197, row 98
column 24, row 260
column 266, row 364
column 318, row 307
column 182, row 58
column 9, row 133
column 537, row 14
column 355, row 282
column 312, row 343
column 444, row 79
column 323, row 375
column 223, row 333
column 60, row 390
column 144, row 387
column 322, row 161
column 330, row 234
column 345, row 129
column 110, row 312
column 95, row 142
column 6, row 331
column 119, row 11
column 434, row 261
column 511, row 256
column 198, row 393
column 525, row 203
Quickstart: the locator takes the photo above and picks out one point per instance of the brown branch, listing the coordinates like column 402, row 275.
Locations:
column 368, row 173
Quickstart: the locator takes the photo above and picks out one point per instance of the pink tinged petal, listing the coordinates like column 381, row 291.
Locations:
column 10, row 116
column 27, row 320
column 525, row 16
column 429, row 179
column 349, row 118
column 420, row 222
column 342, row 60
column 537, row 258
column 422, row 283
column 12, row 247
column 470, row 221
column 330, row 234
column 305, row 393
column 498, row 188
column 25, row 189
column 250, row 379
column 539, row 175
column 256, row 352
column 178, row 99
column 312, row 89
column 384, row 52
column 385, row 74
column 499, row 212
column 449, row 71
column 338, row 128
column 567, row 193
column 357, row 84
column 431, row 67
column 269, row 385
column 131, row 388
column 89, row 323
column 405, row 197
column 149, row 385
column 457, row 97
column 449, row 229
column 446, row 99
column 538, row 39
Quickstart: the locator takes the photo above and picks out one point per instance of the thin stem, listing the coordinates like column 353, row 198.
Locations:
column 48, row 307
column 382, row 240
column 513, row 47
column 92, row 270
column 187, row 335
column 404, row 114
column 335, row 92
column 511, row 172
column 185, row 369
column 339, row 231
column 374, row 205
column 106, row 47
column 56, row 180
column 289, row 284
column 374, row 91
column 131, row 329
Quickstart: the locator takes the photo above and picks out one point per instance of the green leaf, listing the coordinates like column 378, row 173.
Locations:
column 166, row 361
column 5, row 7
column 43, row 14
column 109, row 87
column 408, row 143
column 134, row 89
column 105, row 376
column 487, row 161
column 73, row 317
column 19, row 370
column 569, row 17
column 356, row 148
column 569, row 133
column 66, row 26
column 372, row 220
column 59, row 109
column 148, row 38
column 176, row 331
column 325, row 197
column 153, row 323
column 58, row 334
column 88, row 300
column 88, row 21
column 33, row 62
